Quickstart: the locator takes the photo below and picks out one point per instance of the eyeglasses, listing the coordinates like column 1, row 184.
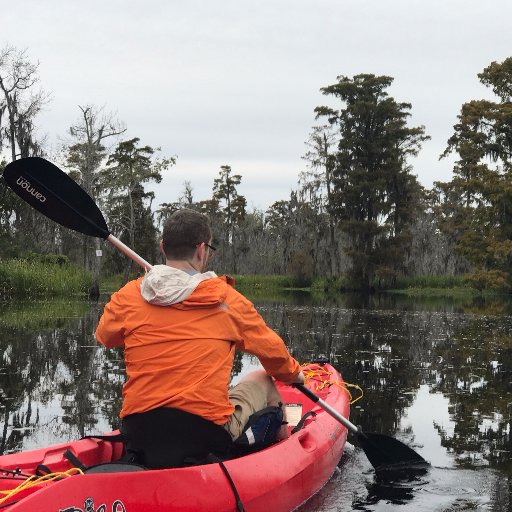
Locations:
column 212, row 250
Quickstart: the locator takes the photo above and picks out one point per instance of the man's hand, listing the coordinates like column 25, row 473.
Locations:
column 298, row 380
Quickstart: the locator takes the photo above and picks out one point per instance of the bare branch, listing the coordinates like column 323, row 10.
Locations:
column 17, row 76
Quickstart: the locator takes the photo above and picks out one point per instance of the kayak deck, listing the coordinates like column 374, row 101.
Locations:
column 278, row 478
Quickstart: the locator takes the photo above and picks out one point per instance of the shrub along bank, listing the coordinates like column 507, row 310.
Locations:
column 39, row 276
column 34, row 278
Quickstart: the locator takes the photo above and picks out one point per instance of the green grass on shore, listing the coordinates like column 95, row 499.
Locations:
column 433, row 286
column 437, row 292
column 260, row 282
column 111, row 284
column 431, row 282
column 33, row 279
column 442, row 286
column 450, row 286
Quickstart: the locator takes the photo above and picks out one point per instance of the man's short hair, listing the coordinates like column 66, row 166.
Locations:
column 183, row 231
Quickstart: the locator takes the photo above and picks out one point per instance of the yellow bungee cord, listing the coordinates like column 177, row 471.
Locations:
column 34, row 480
column 314, row 371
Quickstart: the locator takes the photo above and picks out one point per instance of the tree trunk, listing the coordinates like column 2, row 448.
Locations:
column 94, row 290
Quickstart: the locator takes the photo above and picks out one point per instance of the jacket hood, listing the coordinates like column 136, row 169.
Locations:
column 164, row 286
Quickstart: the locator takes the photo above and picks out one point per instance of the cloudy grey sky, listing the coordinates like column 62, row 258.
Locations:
column 235, row 81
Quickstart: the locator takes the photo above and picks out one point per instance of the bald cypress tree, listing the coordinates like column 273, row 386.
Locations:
column 232, row 210
column 374, row 195
column 128, row 204
column 475, row 207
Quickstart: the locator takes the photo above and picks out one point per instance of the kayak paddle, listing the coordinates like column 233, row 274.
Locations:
column 52, row 192
column 383, row 452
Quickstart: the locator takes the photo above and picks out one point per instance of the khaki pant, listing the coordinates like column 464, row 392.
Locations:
column 247, row 397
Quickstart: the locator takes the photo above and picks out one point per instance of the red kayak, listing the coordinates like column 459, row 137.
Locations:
column 278, row 479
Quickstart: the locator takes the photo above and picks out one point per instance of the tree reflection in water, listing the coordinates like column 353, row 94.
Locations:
column 444, row 367
column 55, row 382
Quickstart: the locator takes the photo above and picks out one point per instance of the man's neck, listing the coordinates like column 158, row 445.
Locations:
column 184, row 265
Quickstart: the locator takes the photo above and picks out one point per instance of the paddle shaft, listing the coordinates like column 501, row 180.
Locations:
column 129, row 252
column 327, row 408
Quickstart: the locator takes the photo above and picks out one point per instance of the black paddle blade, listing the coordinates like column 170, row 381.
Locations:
column 52, row 192
column 386, row 453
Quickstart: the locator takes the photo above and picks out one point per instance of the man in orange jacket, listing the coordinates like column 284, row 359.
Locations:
column 179, row 327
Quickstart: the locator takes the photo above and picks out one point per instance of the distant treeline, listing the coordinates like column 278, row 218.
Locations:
column 358, row 218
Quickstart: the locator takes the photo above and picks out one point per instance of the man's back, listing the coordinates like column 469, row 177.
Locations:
column 181, row 355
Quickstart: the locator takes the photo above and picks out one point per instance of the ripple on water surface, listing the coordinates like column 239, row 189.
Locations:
column 355, row 486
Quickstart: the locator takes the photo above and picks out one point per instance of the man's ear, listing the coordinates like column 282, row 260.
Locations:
column 203, row 253
column 200, row 251
column 162, row 248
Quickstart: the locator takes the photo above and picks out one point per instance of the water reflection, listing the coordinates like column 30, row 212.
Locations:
column 435, row 376
column 55, row 382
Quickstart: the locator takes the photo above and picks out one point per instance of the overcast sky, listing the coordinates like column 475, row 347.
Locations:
column 236, row 81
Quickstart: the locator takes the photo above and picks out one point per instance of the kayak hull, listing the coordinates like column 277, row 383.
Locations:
column 279, row 478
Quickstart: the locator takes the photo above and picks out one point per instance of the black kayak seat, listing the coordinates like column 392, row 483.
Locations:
column 114, row 467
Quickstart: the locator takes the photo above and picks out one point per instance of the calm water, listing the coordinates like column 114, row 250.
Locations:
column 435, row 376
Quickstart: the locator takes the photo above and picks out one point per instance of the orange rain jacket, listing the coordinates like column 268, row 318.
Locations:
column 181, row 355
